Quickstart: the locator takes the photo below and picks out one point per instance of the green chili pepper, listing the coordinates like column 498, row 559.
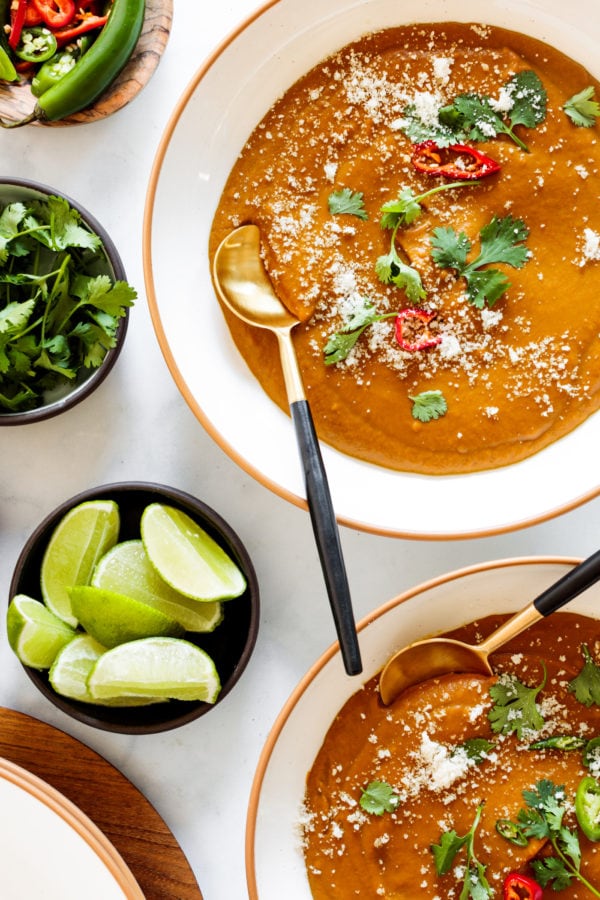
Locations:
column 36, row 44
column 510, row 831
column 52, row 71
column 559, row 742
column 96, row 69
column 587, row 807
column 591, row 754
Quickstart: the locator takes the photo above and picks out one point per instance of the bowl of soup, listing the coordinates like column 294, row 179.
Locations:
column 410, row 202
column 350, row 794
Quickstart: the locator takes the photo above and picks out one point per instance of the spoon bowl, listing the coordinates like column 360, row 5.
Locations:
column 244, row 287
column 441, row 656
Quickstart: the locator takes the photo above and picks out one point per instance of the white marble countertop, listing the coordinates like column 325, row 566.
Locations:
column 137, row 426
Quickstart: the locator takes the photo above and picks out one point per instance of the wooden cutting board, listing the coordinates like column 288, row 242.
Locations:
column 103, row 793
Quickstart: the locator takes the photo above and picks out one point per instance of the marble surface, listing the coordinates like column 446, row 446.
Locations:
column 137, row 426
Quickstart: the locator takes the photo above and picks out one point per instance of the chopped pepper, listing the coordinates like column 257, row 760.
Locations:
column 37, row 44
column 587, row 807
column 84, row 23
column 520, row 887
column 412, row 329
column 55, row 13
column 455, row 161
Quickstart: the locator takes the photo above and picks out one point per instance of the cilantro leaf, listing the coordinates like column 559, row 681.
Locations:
column 529, row 99
column 378, row 797
column 428, row 405
column 347, row 202
column 515, row 706
column 408, row 206
column 551, row 871
column 390, row 269
column 586, row 685
column 476, row 749
column 444, row 853
column 450, row 249
column 582, row 108
column 501, row 241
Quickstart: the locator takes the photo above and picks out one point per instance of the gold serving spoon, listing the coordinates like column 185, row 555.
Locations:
column 244, row 287
column 440, row 656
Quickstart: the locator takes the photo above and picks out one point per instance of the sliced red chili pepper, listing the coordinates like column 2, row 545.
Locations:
column 87, row 23
column 412, row 329
column 520, row 887
column 458, row 161
column 56, row 13
column 17, row 20
column 32, row 16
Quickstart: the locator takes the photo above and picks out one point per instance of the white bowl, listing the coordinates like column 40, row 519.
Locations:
column 228, row 96
column 274, row 862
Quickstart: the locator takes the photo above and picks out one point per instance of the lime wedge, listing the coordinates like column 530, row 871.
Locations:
column 71, row 669
column 159, row 667
column 113, row 618
column 186, row 557
column 125, row 568
column 81, row 537
column 72, row 666
column 35, row 634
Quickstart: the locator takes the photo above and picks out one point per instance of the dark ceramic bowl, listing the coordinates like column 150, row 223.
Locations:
column 15, row 189
column 230, row 644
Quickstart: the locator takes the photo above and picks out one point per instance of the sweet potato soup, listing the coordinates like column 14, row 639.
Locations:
column 466, row 780
column 445, row 329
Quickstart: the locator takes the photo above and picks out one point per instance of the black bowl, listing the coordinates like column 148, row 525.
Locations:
column 14, row 189
column 230, row 644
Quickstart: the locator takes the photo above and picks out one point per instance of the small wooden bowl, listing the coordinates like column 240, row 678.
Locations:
column 230, row 645
column 17, row 101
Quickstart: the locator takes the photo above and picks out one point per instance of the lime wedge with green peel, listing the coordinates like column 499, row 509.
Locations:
column 186, row 557
column 72, row 667
column 113, row 618
column 127, row 570
column 81, row 537
column 159, row 667
column 35, row 634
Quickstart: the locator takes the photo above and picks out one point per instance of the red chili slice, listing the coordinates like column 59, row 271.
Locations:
column 412, row 329
column 56, row 13
column 520, row 887
column 458, row 161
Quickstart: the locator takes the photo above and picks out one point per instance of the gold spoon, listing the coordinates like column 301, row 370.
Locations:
column 244, row 287
column 439, row 656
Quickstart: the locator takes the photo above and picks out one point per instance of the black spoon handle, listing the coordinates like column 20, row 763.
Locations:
column 569, row 586
column 327, row 535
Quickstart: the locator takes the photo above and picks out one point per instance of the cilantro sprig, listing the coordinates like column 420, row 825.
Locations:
column 396, row 214
column 340, row 344
column 542, row 818
column 582, row 108
column 347, row 202
column 58, row 317
column 515, row 706
column 476, row 117
column 475, row 884
column 501, row 241
column 586, row 685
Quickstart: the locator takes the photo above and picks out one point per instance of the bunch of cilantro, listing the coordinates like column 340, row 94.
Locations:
column 58, row 315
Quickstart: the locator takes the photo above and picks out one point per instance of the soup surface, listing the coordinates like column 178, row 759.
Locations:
column 423, row 749
column 499, row 354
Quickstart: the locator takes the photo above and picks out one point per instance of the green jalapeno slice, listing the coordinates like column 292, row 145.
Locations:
column 587, row 807
column 36, row 44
